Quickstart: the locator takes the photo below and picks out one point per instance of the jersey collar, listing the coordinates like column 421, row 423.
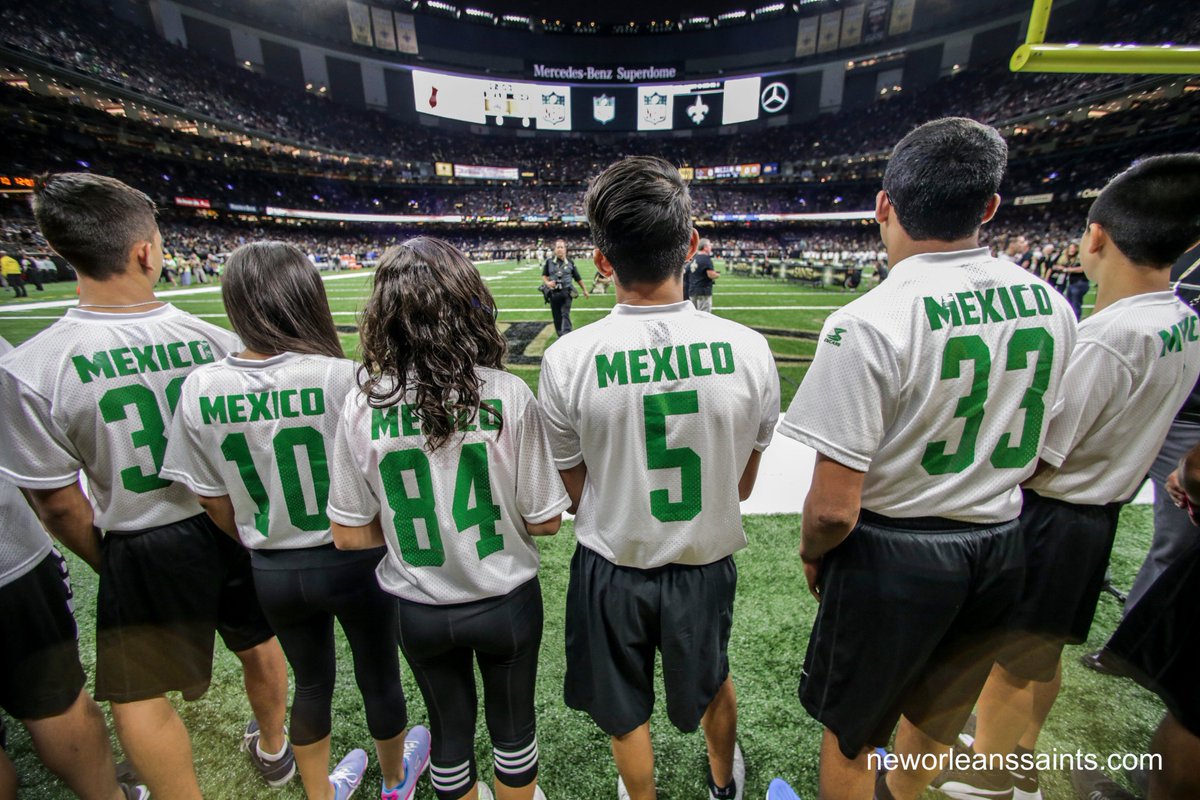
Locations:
column 682, row 307
column 258, row 363
column 115, row 318
column 950, row 258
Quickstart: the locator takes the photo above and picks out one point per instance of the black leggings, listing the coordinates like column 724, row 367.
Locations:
column 301, row 605
column 502, row 635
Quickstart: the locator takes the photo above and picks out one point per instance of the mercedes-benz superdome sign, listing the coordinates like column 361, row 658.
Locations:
column 566, row 106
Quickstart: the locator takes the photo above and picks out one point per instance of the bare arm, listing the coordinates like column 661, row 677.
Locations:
column 749, row 475
column 830, row 512
column 573, row 479
column 220, row 509
column 362, row 537
column 713, row 274
column 69, row 518
column 547, row 528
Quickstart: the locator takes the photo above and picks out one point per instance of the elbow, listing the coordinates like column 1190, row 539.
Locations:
column 547, row 528
column 835, row 519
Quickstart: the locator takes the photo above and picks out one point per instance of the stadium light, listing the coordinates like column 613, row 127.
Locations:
column 1037, row 56
column 730, row 15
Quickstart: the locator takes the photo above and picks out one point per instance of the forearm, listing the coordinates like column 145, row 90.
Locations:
column 820, row 534
column 68, row 517
column 573, row 480
column 359, row 537
column 220, row 510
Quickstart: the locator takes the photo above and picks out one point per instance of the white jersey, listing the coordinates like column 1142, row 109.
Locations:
column 665, row 405
column 1134, row 365
column 939, row 385
column 23, row 542
column 96, row 392
column 261, row 431
column 453, row 519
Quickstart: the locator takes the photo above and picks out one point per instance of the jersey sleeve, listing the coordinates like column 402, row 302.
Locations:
column 1097, row 384
column 188, row 456
column 351, row 501
column 540, row 491
column 769, row 408
column 558, row 416
column 842, row 407
column 35, row 452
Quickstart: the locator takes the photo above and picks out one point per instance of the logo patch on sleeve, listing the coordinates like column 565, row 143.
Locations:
column 835, row 337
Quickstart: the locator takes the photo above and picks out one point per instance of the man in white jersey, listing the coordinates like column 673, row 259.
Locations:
column 1135, row 362
column 926, row 403
column 657, row 417
column 95, row 392
column 41, row 680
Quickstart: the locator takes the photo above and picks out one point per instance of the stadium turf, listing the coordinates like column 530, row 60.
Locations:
column 773, row 615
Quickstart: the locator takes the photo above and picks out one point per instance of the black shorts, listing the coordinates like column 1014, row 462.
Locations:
column 40, row 673
column 617, row 617
column 1067, row 547
column 912, row 615
column 163, row 594
column 1158, row 641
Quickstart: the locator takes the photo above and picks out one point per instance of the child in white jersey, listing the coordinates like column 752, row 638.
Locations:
column 442, row 458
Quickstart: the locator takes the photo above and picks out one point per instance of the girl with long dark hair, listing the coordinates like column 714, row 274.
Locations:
column 443, row 458
column 251, row 438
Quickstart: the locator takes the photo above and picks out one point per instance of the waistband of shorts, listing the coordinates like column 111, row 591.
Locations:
column 1041, row 498
column 924, row 524
column 201, row 517
column 528, row 586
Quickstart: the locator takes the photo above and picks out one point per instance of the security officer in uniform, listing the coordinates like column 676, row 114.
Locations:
column 557, row 273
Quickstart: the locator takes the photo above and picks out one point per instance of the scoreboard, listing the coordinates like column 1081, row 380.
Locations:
column 567, row 107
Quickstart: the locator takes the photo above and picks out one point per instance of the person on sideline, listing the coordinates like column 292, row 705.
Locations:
column 657, row 415
column 245, row 465
column 704, row 274
column 945, row 375
column 95, row 392
column 442, row 458
column 559, row 274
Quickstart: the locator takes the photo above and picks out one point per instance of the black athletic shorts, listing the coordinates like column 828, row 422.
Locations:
column 1158, row 641
column 913, row 613
column 617, row 617
column 164, row 592
column 40, row 673
column 1067, row 547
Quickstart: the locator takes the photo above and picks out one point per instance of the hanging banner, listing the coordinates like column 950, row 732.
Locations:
column 385, row 33
column 360, row 23
column 875, row 21
column 902, row 17
column 406, row 33
column 852, row 20
column 806, row 37
column 830, row 30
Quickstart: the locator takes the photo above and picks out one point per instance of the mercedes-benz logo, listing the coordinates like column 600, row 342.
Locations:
column 774, row 97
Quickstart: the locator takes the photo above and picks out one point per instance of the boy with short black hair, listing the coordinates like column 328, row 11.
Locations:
column 657, row 416
column 95, row 392
column 1135, row 363
column 926, row 403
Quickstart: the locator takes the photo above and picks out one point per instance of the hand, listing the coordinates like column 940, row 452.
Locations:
column 812, row 574
column 1175, row 490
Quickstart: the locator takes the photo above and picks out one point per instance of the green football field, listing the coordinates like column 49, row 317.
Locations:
column 1095, row 714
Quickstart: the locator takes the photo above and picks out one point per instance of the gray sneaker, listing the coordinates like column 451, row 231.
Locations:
column 275, row 773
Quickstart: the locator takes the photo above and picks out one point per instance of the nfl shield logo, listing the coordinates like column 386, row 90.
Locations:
column 654, row 108
column 554, row 108
column 604, row 109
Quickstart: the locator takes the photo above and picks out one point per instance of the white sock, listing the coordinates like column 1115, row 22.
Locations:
column 265, row 756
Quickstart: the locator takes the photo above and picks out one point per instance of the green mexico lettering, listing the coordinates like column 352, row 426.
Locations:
column 658, row 364
column 987, row 306
column 124, row 361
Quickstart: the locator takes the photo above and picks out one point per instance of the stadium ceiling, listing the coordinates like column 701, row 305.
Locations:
column 621, row 16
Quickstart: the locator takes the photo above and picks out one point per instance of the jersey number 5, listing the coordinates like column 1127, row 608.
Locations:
column 657, row 407
column 1023, row 343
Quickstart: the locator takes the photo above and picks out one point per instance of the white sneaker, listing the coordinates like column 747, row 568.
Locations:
column 1019, row 794
column 538, row 794
column 485, row 791
column 622, row 792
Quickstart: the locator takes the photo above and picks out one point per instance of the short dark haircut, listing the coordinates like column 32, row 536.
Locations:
column 92, row 221
column 1151, row 211
column 941, row 176
column 640, row 214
